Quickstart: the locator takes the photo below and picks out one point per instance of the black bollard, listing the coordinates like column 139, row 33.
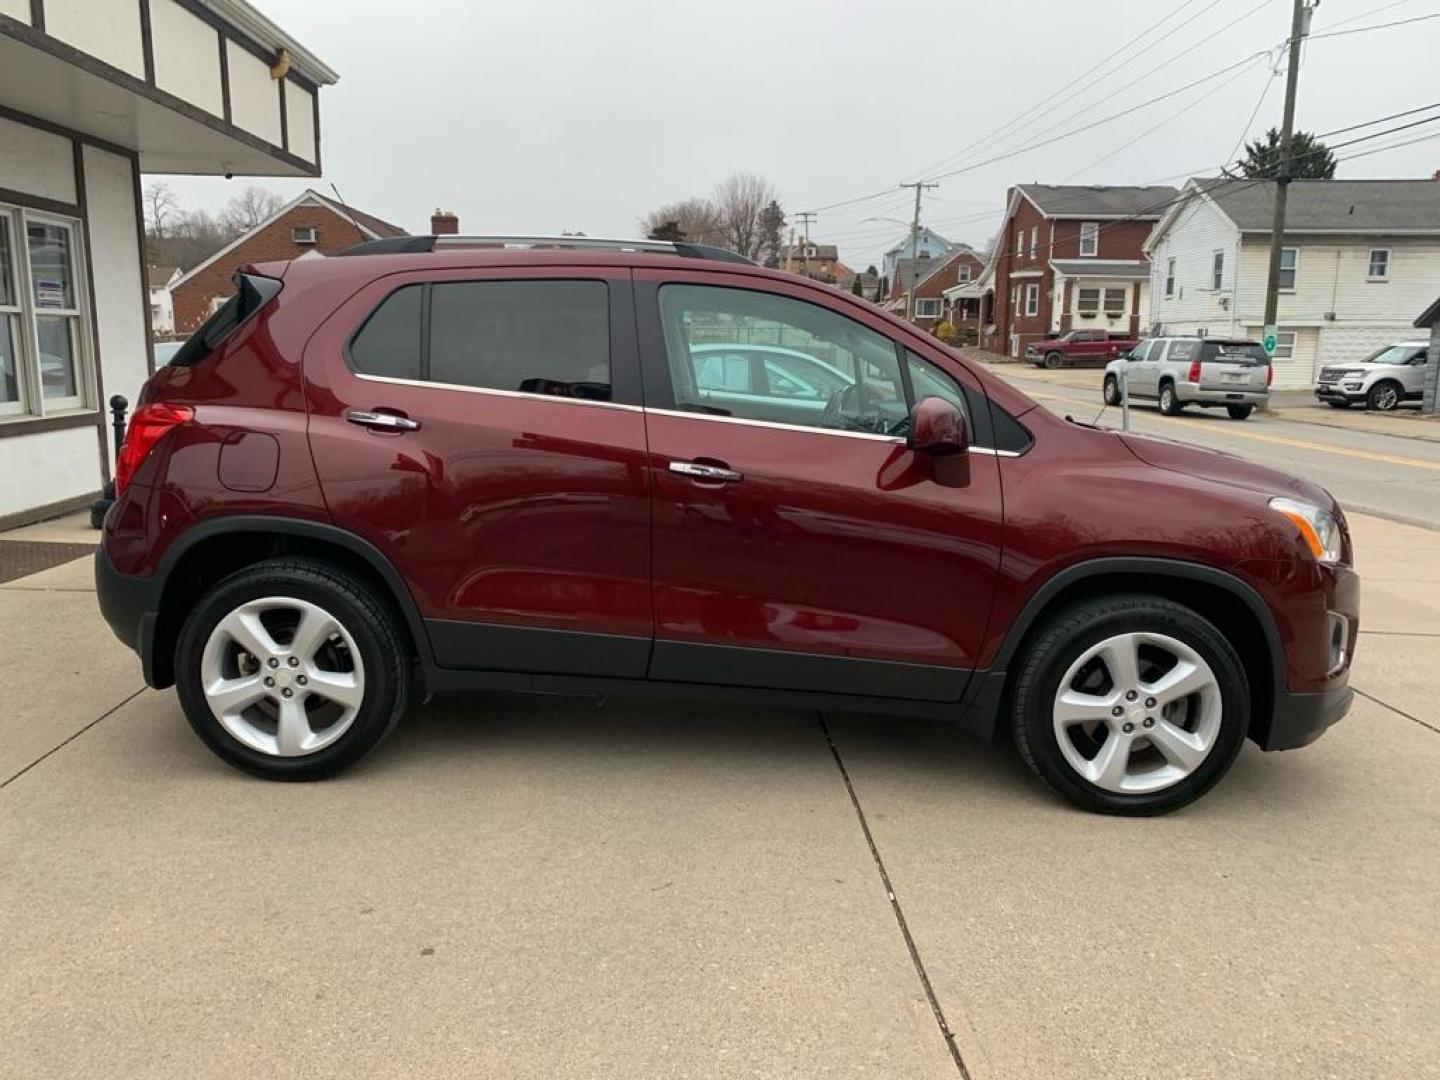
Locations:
column 118, row 405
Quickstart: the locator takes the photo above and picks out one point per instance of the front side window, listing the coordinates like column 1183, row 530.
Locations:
column 805, row 364
column 1032, row 299
column 1087, row 302
column 1089, row 238
column 43, row 325
column 1379, row 268
column 1169, row 277
column 1289, row 267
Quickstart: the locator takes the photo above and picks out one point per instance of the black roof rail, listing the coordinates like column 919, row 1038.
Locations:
column 403, row 245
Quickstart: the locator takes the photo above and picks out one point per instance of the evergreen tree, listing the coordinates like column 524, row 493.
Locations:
column 772, row 224
column 667, row 230
column 1309, row 158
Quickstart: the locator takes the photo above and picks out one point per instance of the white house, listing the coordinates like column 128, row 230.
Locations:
column 92, row 94
column 162, row 304
column 1361, row 257
column 927, row 244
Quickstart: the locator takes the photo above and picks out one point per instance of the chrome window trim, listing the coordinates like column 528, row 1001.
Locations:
column 431, row 384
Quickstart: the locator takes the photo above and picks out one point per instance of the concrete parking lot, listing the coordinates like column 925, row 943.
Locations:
column 550, row 887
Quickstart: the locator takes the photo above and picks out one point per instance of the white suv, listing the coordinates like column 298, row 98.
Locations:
column 1180, row 371
column 1381, row 381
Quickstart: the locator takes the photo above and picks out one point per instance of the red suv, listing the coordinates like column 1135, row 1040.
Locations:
column 579, row 466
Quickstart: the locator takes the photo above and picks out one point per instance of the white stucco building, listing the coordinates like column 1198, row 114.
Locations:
column 92, row 94
column 1361, row 257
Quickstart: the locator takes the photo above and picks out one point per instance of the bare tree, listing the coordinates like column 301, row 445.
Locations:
column 741, row 201
column 249, row 208
column 161, row 206
column 696, row 220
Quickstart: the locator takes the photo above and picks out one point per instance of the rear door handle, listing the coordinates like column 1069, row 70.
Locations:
column 713, row 473
column 383, row 420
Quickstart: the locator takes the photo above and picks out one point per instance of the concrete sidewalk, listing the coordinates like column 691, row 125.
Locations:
column 546, row 887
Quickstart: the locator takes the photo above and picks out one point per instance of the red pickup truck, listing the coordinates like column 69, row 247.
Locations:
column 1077, row 346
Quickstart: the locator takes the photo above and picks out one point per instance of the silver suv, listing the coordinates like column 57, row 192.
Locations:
column 1180, row 371
column 1381, row 381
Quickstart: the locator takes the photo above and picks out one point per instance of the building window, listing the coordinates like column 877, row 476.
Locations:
column 1379, row 265
column 1019, row 244
column 304, row 234
column 1169, row 277
column 43, row 328
column 1014, row 297
column 1289, row 268
column 1114, row 303
column 1217, row 270
column 1087, row 303
column 963, row 274
column 1034, row 239
column 1284, row 344
column 928, row 308
column 1089, row 238
column 1032, row 299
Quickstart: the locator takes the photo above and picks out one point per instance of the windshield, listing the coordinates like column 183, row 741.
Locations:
column 1393, row 354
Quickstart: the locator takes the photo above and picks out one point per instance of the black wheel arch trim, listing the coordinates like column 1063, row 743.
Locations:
column 1181, row 569
column 313, row 530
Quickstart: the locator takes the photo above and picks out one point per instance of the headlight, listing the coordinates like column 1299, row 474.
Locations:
column 1317, row 527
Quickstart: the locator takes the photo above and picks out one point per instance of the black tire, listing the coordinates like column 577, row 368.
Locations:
column 1063, row 638
column 1338, row 404
column 1385, row 396
column 1239, row 412
column 365, row 616
column 1111, row 391
column 1054, row 360
column 1170, row 404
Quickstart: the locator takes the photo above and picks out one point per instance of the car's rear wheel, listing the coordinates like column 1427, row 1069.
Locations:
column 292, row 669
column 1112, row 390
column 1170, row 404
column 1384, row 396
column 1239, row 412
column 1130, row 705
column 1054, row 360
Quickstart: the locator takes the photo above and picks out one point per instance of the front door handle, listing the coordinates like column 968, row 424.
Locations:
column 383, row 420
column 713, row 473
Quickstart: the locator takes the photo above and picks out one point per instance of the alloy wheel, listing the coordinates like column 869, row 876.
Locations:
column 283, row 676
column 1137, row 713
column 1385, row 397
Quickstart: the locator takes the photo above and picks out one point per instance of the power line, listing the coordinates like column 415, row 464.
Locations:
column 1167, row 62
column 1377, row 26
column 1367, row 14
column 1019, row 122
column 1245, row 131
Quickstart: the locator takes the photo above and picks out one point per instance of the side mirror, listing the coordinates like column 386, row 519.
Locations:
column 938, row 428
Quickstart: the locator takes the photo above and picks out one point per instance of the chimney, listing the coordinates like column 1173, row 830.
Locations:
column 444, row 223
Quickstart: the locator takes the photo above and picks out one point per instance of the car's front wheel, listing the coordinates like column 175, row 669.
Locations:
column 1054, row 360
column 1384, row 396
column 1130, row 705
column 292, row 669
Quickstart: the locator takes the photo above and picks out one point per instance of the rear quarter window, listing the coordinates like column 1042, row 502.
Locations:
column 252, row 292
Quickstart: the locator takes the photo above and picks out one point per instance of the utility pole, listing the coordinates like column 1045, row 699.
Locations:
column 919, row 187
column 805, row 217
column 1299, row 29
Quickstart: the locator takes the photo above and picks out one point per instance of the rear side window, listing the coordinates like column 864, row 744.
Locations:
column 1182, row 350
column 1234, row 352
column 540, row 337
column 389, row 342
column 252, row 292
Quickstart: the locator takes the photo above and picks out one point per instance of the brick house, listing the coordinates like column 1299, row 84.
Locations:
column 818, row 261
column 309, row 226
column 1069, row 257
column 960, row 266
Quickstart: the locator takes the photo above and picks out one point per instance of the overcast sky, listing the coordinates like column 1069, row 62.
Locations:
column 552, row 115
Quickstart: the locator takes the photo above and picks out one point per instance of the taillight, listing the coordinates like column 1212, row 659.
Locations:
column 1269, row 374
column 147, row 427
column 1193, row 375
